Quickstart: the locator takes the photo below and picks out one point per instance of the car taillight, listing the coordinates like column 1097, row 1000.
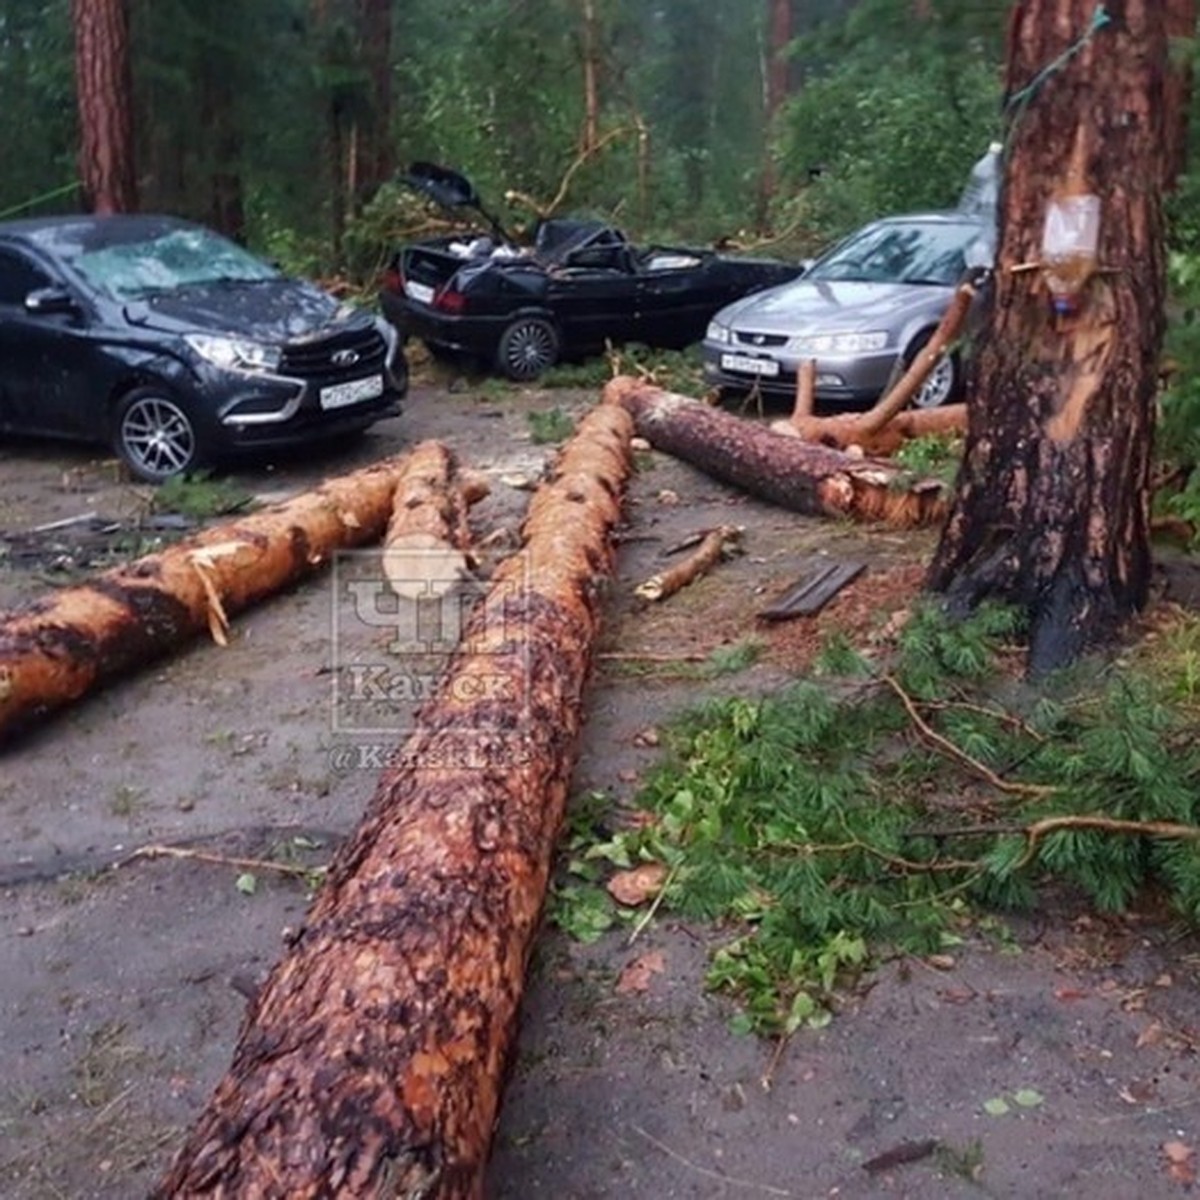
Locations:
column 393, row 280
column 450, row 301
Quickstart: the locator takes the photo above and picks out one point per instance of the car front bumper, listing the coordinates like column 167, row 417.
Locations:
column 843, row 381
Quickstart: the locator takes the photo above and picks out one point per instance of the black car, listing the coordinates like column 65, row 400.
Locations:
column 581, row 284
column 176, row 346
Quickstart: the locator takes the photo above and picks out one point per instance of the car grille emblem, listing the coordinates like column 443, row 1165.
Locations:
column 760, row 339
column 345, row 358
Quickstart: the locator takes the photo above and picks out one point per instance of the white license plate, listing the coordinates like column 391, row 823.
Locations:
column 354, row 392
column 748, row 365
column 419, row 292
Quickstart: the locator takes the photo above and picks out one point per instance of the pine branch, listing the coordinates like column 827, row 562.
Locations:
column 948, row 748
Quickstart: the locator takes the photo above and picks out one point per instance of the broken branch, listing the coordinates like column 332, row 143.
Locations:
column 717, row 544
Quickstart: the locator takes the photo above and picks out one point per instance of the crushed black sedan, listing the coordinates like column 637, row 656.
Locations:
column 580, row 285
column 176, row 346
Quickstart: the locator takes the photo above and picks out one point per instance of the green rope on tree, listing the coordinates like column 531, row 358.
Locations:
column 54, row 195
column 1100, row 18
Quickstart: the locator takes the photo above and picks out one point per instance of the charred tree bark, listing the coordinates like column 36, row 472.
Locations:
column 789, row 472
column 54, row 650
column 104, row 92
column 371, row 1062
column 1052, row 506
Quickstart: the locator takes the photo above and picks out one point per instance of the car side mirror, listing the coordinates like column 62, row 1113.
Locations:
column 980, row 255
column 806, row 265
column 49, row 300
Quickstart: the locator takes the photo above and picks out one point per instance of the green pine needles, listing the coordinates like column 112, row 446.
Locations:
column 866, row 812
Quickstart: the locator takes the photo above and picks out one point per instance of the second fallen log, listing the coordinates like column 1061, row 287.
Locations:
column 371, row 1062
column 787, row 471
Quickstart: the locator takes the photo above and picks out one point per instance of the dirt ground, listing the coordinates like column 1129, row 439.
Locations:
column 123, row 975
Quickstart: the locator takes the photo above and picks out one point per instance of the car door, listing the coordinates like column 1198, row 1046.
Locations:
column 677, row 295
column 593, row 296
column 45, row 356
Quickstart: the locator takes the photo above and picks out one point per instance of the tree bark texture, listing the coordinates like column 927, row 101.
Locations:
column 1052, row 506
column 371, row 1062
column 426, row 549
column 55, row 650
column 776, row 87
column 787, row 471
column 104, row 91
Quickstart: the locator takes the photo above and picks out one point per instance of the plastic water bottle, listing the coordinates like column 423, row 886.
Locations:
column 982, row 193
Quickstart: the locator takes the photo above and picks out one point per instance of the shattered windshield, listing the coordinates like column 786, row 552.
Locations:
column 920, row 252
column 180, row 258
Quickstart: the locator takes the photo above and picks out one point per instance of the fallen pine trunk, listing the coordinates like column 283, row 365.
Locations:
column 54, row 650
column 789, row 472
column 425, row 548
column 371, row 1062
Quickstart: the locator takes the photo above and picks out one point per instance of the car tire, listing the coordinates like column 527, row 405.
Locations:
column 155, row 436
column 527, row 347
column 942, row 384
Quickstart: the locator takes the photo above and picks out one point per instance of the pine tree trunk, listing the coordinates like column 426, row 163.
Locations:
column 371, row 1062
column 375, row 26
column 1052, row 506
column 104, row 91
column 591, row 79
column 775, row 92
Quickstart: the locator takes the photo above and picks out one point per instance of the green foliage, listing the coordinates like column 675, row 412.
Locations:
column 201, row 496
column 550, row 427
column 934, row 456
column 894, row 111
column 800, row 821
column 676, row 370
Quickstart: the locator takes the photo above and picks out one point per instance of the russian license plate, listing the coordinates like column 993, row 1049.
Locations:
column 419, row 292
column 339, row 395
column 748, row 365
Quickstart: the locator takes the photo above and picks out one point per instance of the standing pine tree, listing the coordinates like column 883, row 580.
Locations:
column 1052, row 507
column 104, row 90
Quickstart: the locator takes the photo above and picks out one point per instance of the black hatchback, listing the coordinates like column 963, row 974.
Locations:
column 176, row 347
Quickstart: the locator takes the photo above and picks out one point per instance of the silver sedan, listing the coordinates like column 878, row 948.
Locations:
column 862, row 311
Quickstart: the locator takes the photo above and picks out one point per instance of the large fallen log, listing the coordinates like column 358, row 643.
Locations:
column 54, row 650
column 425, row 548
column 794, row 474
column 371, row 1062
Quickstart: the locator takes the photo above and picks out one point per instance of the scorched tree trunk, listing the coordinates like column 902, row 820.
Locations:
column 1052, row 505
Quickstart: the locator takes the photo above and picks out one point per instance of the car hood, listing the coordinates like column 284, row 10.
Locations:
column 833, row 305
column 269, row 310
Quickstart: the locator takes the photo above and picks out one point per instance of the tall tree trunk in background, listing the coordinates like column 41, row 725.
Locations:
column 775, row 91
column 1052, row 506
column 104, row 88
column 377, row 161
column 227, row 206
column 1181, row 30
column 591, row 79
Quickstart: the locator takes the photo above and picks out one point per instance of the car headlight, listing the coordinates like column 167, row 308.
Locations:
column 234, row 354
column 840, row 343
column 717, row 332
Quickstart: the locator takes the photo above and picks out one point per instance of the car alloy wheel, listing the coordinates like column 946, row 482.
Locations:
column 155, row 436
column 941, row 384
column 527, row 347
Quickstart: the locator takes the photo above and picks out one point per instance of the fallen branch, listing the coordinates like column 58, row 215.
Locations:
column 794, row 474
column 221, row 860
column 717, row 544
column 873, row 430
column 960, row 756
column 371, row 1061
column 54, row 650
column 1047, row 825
